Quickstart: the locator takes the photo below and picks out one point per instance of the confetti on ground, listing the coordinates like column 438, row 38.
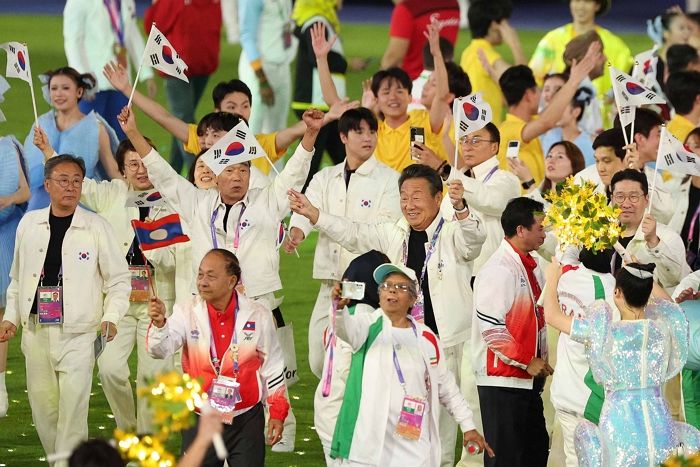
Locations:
column 301, row 453
column 296, row 398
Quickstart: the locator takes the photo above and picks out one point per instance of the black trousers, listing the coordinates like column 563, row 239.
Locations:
column 244, row 439
column 514, row 426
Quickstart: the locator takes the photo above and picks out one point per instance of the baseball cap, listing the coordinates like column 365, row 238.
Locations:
column 385, row 269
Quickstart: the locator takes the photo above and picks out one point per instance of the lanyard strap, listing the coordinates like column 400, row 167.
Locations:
column 397, row 366
column 328, row 376
column 60, row 276
column 693, row 221
column 233, row 346
column 237, row 233
column 429, row 253
column 488, row 175
column 115, row 18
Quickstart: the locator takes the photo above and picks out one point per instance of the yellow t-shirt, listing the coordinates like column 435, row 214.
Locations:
column 530, row 154
column 266, row 140
column 393, row 144
column 480, row 80
column 680, row 127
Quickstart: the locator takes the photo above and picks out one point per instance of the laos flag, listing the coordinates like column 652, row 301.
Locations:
column 235, row 147
column 159, row 233
column 17, row 61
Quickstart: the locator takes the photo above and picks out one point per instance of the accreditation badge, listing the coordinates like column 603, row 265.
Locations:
column 139, row 284
column 49, row 304
column 120, row 53
column 224, row 394
column 411, row 418
column 418, row 310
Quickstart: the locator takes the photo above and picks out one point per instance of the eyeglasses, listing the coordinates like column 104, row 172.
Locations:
column 64, row 182
column 134, row 166
column 620, row 198
column 397, row 287
column 474, row 140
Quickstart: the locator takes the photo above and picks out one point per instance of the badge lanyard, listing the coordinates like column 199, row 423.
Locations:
column 397, row 366
column 326, row 388
column 237, row 233
column 115, row 18
column 488, row 175
column 60, row 277
column 233, row 346
column 691, row 229
column 431, row 249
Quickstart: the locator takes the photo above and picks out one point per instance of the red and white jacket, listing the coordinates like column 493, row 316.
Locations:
column 506, row 334
column 260, row 361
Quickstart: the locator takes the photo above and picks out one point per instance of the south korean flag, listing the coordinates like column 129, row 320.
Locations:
column 237, row 146
column 160, row 55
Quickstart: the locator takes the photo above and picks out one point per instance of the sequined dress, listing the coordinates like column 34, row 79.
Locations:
column 632, row 359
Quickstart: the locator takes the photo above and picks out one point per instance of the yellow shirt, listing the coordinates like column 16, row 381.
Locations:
column 680, row 127
column 267, row 142
column 393, row 144
column 480, row 80
column 530, row 154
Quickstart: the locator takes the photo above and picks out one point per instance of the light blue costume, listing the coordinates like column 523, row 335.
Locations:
column 632, row 359
column 11, row 215
column 82, row 140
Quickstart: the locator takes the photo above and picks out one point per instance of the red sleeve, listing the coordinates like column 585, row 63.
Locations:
column 401, row 22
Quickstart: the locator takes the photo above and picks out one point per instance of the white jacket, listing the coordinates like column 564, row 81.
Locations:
column 259, row 226
column 449, row 269
column 108, row 199
column 681, row 207
column 89, row 38
column 96, row 280
column 372, row 196
column 487, row 195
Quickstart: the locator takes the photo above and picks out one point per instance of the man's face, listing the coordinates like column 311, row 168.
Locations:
column 236, row 103
column 211, row 137
column 360, row 143
column 532, row 238
column 418, row 205
column 213, row 282
column 607, row 163
column 64, row 186
column 648, row 146
column 233, row 182
column 477, row 147
column 428, row 93
column 629, row 197
column 135, row 172
column 392, row 98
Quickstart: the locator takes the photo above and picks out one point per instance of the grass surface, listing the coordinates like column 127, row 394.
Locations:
column 19, row 445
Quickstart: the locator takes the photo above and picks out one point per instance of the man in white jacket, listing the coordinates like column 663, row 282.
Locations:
column 439, row 252
column 68, row 279
column 361, row 189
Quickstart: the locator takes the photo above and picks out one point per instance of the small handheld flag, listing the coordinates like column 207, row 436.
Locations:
column 144, row 199
column 161, row 55
column 675, row 157
column 236, row 146
column 160, row 233
column 630, row 93
column 470, row 113
column 18, row 67
column 645, row 67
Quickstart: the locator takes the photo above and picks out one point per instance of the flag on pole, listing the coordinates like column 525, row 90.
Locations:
column 676, row 157
column 645, row 67
column 17, row 61
column 471, row 113
column 160, row 55
column 159, row 233
column 144, row 199
column 627, row 115
column 629, row 91
column 237, row 146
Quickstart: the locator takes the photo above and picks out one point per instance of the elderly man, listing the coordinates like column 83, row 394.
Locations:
column 68, row 279
column 439, row 252
column 229, row 342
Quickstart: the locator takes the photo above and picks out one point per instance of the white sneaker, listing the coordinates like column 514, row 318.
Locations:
column 283, row 446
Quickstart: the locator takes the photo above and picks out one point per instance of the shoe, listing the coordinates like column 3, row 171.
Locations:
column 283, row 446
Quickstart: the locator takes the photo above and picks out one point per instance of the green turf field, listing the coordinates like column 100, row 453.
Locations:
column 19, row 445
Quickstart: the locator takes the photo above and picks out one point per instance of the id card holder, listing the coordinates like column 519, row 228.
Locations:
column 139, row 284
column 49, row 304
column 224, row 394
column 411, row 418
column 287, row 35
column 418, row 310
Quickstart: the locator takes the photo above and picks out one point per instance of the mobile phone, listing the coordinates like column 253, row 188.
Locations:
column 352, row 290
column 100, row 343
column 513, row 149
column 417, row 136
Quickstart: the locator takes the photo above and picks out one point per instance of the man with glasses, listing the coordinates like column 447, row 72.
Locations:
column 439, row 252
column 68, row 280
column 643, row 237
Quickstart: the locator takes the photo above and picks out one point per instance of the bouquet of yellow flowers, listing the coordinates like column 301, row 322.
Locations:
column 580, row 217
column 683, row 461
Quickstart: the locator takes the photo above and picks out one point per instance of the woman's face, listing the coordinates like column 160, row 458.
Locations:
column 396, row 293
column 549, row 89
column 64, row 92
column 583, row 11
column 678, row 31
column 557, row 164
column 693, row 143
column 203, row 176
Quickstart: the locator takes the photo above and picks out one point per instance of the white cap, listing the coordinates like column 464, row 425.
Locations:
column 385, row 269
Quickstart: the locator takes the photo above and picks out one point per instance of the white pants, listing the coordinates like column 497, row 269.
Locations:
column 59, row 381
column 566, row 422
column 264, row 118
column 470, row 393
column 114, row 371
column 317, row 326
column 447, row 426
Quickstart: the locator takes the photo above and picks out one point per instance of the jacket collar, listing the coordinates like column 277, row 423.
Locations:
column 480, row 171
column 364, row 169
column 403, row 224
column 220, row 202
column 79, row 217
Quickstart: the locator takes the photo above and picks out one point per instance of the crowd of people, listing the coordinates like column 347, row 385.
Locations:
column 434, row 316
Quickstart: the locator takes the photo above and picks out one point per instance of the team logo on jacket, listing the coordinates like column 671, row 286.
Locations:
column 248, row 330
column 523, row 282
column 366, row 203
column 245, row 225
column 84, row 255
column 194, row 334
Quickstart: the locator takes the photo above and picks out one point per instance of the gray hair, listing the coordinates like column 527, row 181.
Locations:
column 53, row 162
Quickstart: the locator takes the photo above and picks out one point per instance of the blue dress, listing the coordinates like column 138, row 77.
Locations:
column 82, row 140
column 11, row 215
column 632, row 359
column 584, row 141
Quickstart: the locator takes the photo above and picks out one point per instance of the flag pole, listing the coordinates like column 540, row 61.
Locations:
column 31, row 88
column 136, row 80
column 456, row 128
column 632, row 129
column 619, row 109
column 656, row 169
column 269, row 161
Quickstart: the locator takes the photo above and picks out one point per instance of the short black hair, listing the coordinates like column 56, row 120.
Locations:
column 645, row 120
column 393, row 74
column 680, row 56
column 598, row 261
column 581, row 99
column 219, row 121
column 515, row 82
column 224, row 88
column 457, row 80
column 233, row 267
column 635, row 289
column 633, row 175
column 125, row 146
column 352, row 118
column 612, row 138
column 519, row 211
column 682, row 88
column 494, row 133
column 53, row 162
column 446, row 49
column 425, row 172
column 482, row 13
column 95, row 453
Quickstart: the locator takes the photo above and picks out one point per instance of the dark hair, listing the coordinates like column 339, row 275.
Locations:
column 361, row 269
column 446, row 48
column 635, row 290
column 424, row 172
column 645, row 120
column 680, row 56
column 694, row 132
column 562, row 76
column 482, row 13
column 633, row 175
column 668, row 17
column 494, row 133
column 84, row 81
column 225, row 88
column 519, row 211
column 125, row 146
column 598, row 261
column 612, row 138
column 515, row 82
column 575, row 156
column 393, row 75
column 233, row 267
column 220, row 121
column 682, row 89
column 457, row 80
column 95, row 453
column 581, row 99
column 352, row 118
column 604, row 7
column 54, row 162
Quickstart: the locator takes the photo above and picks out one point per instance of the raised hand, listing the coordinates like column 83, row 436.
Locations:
column 320, row 44
column 117, row 77
column 314, row 119
column 369, row 100
column 300, row 204
column 339, row 108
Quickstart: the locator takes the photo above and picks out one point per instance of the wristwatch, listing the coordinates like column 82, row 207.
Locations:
column 527, row 184
column 445, row 171
column 464, row 209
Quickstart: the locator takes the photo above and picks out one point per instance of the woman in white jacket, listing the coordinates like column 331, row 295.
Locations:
column 397, row 379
